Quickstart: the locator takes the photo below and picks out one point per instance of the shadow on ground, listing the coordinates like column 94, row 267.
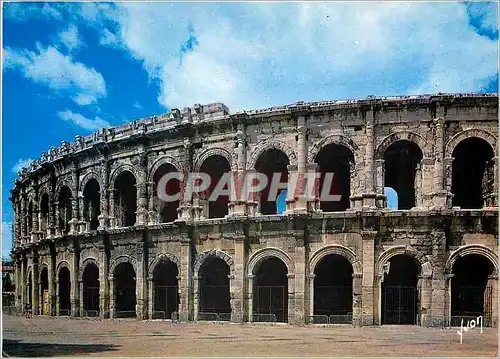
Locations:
column 16, row 348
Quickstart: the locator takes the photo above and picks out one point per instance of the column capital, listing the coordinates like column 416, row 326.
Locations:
column 438, row 122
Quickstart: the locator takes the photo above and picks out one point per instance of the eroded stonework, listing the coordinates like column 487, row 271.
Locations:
column 73, row 209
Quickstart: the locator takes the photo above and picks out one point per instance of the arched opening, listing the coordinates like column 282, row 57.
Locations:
column 167, row 210
column 64, row 291
column 473, row 174
column 392, row 198
column 401, row 161
column 124, row 289
column 166, row 290
column 269, row 163
column 125, row 199
column 215, row 166
column 90, row 281
column 64, row 209
column 44, row 290
column 214, row 289
column 334, row 162
column 270, row 291
column 44, row 214
column 399, row 291
column 471, row 289
column 333, row 289
column 30, row 217
column 92, row 203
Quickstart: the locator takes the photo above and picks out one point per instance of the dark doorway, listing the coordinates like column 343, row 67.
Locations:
column 124, row 287
column 166, row 210
column 125, row 199
column 335, row 160
column 215, row 166
column 399, row 291
column 30, row 290
column 472, row 174
column 214, row 288
column 471, row 296
column 91, row 290
column 401, row 160
column 333, row 289
column 44, row 291
column 92, row 203
column 64, row 291
column 166, row 290
column 270, row 162
column 271, row 291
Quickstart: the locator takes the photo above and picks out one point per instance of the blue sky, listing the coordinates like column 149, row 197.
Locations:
column 69, row 69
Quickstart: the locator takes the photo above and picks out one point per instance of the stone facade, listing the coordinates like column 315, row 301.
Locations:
column 53, row 231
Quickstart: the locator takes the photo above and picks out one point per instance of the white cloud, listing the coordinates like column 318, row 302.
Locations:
column 6, row 239
column 137, row 105
column 20, row 164
column 70, row 38
column 83, row 121
column 24, row 11
column 255, row 54
column 58, row 71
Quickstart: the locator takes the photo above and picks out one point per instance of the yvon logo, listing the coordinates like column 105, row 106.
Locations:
column 471, row 324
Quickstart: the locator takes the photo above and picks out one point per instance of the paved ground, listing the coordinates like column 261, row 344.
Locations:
column 46, row 336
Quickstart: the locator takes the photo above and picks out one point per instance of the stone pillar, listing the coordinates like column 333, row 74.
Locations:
column 237, row 282
column 185, row 210
column 290, row 195
column 196, row 294
column 380, row 183
column 51, row 228
column 82, row 228
column 301, row 196
column 140, row 279
column 112, row 296
column 439, row 192
column 448, row 172
column 74, row 204
column 58, row 306
column 35, row 287
column 104, row 286
column 23, row 220
column 491, row 304
column 19, row 284
column 239, row 204
column 105, row 205
column 357, row 294
column 24, row 282
column 52, row 288
column 152, row 214
column 425, row 291
column 291, row 298
column 75, row 293
column 446, row 309
column 249, row 296
column 80, row 292
column 369, row 195
column 113, row 220
column 35, row 222
column 57, row 230
column 419, row 203
column 185, row 281
column 142, row 199
column 299, row 310
column 368, row 294
column 151, row 296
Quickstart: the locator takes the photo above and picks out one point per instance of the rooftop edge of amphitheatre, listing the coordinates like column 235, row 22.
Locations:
column 218, row 111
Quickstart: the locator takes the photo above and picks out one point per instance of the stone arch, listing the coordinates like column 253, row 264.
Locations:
column 473, row 132
column 119, row 170
column 163, row 257
column 119, row 260
column 160, row 162
column 472, row 249
column 64, row 182
column 345, row 252
column 267, row 145
column 423, row 263
column 200, row 259
column 217, row 151
column 42, row 191
column 340, row 140
column 60, row 265
column 256, row 259
column 40, row 269
column 399, row 136
column 90, row 175
column 84, row 265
